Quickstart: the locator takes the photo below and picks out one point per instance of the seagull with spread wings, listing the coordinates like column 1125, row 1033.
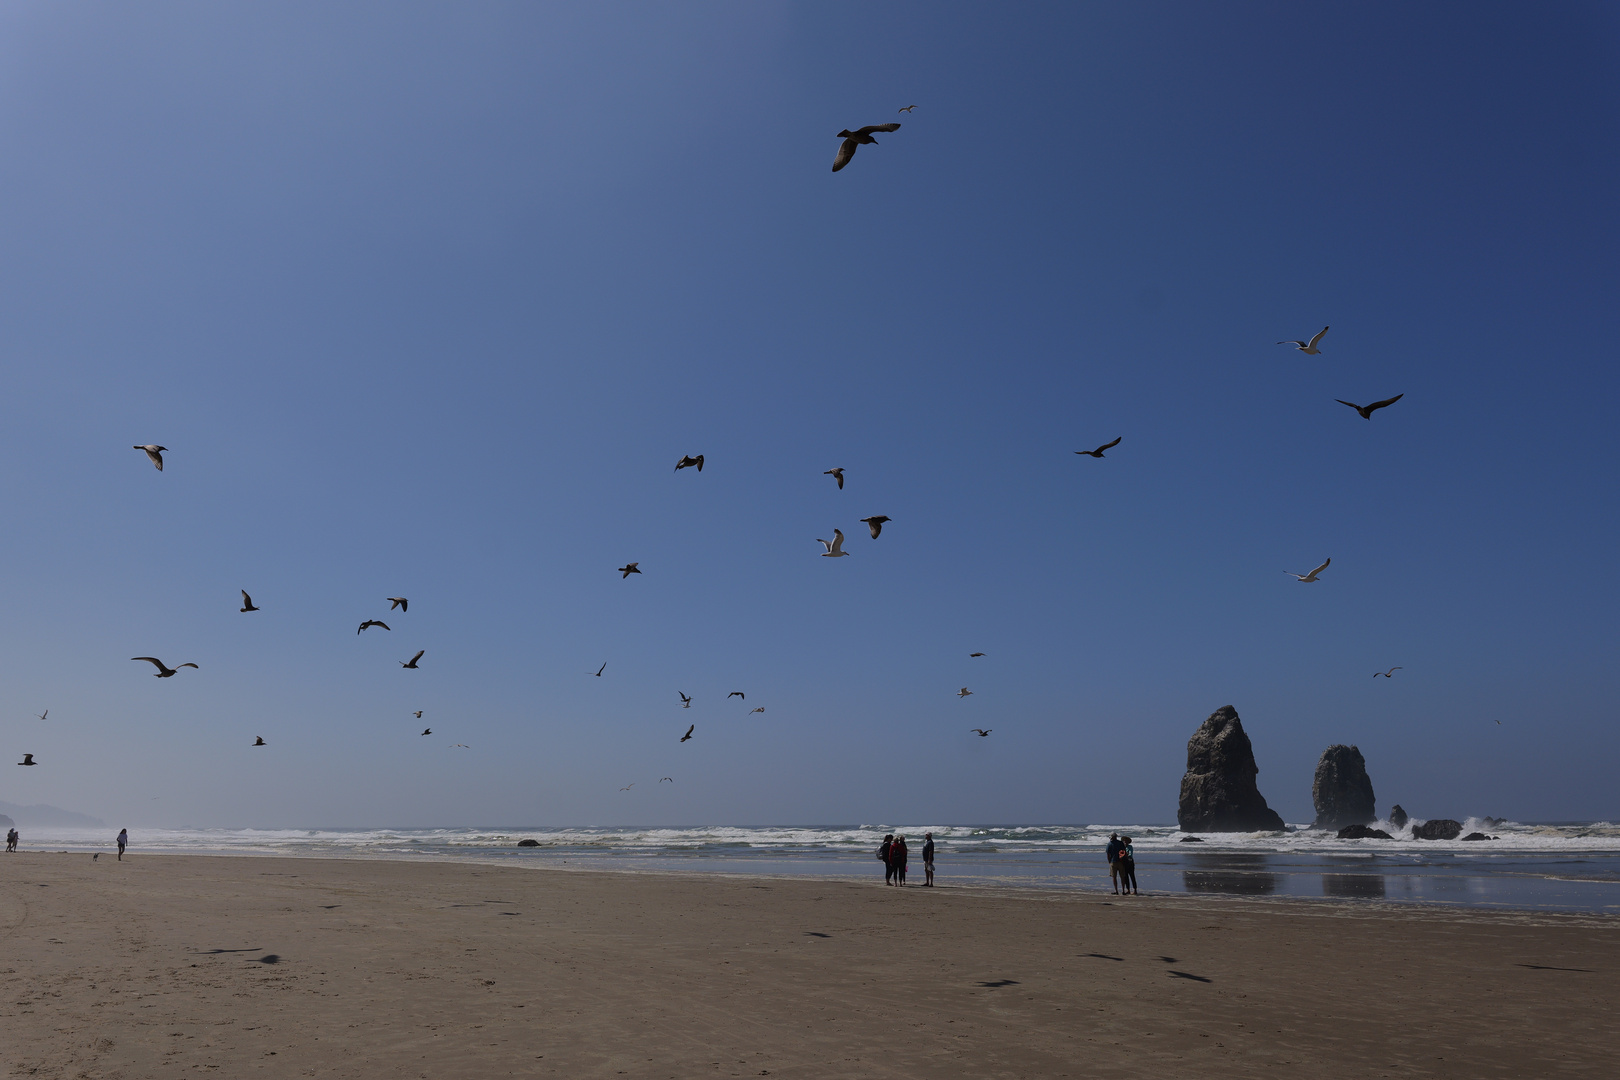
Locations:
column 374, row 622
column 1390, row 674
column 598, row 671
column 43, row 715
column 981, row 732
column 258, row 740
column 628, row 568
column 1308, row 347
column 28, row 759
column 1310, row 577
column 689, row 462
column 1099, row 451
column 400, row 602
column 686, row 702
column 154, row 453
column 688, row 734
column 736, row 693
column 751, row 712
column 838, row 475
column 247, row 602
column 964, row 692
column 411, row 663
column 1366, row 411
column 163, row 671
column 875, row 523
column 835, row 546
column 853, row 140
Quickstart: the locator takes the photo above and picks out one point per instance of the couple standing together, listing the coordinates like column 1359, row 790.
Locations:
column 893, row 854
column 1122, row 864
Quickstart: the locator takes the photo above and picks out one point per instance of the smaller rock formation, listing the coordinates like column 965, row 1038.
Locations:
column 1218, row 792
column 528, row 843
column 1362, row 832
column 1191, row 840
column 1342, row 791
column 1480, row 836
column 1397, row 817
column 1437, row 829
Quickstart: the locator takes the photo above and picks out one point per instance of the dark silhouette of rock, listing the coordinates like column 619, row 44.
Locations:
column 1397, row 817
column 1218, row 792
column 528, row 843
column 1479, row 836
column 1361, row 832
column 1437, row 829
column 1191, row 840
column 1342, row 791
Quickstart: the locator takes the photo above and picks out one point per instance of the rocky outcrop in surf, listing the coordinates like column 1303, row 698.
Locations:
column 1437, row 829
column 1342, row 791
column 1362, row 832
column 1218, row 792
column 1397, row 817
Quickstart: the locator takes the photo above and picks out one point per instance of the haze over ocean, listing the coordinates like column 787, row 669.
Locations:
column 427, row 302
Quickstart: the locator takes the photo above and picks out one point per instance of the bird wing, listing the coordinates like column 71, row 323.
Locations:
column 385, row 626
column 601, row 669
column 247, row 601
column 838, row 540
column 1318, row 337
column 1386, row 401
column 869, row 128
column 1352, row 404
column 161, row 666
column 691, row 729
column 1301, row 344
column 1109, row 446
column 418, row 655
column 1319, row 569
column 179, row 666
column 845, row 152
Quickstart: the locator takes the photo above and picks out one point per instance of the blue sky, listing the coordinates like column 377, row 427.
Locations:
column 427, row 300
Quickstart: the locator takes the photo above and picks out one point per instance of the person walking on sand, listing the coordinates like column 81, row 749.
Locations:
column 897, row 858
column 1114, row 846
column 11, row 840
column 123, row 838
column 928, row 858
column 1127, row 867
column 883, row 856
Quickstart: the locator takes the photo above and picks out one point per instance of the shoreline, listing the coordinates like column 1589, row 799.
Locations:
column 387, row 967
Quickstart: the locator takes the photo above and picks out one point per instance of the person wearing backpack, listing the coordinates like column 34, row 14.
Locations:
column 883, row 856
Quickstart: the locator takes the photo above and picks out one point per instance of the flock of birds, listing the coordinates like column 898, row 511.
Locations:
column 834, row 548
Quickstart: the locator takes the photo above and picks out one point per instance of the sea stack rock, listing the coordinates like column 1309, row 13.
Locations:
column 1437, row 829
column 1218, row 792
column 1397, row 817
column 1342, row 791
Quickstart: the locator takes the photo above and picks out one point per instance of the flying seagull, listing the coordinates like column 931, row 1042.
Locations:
column 835, row 550
column 687, row 461
column 686, row 702
column 875, row 523
column 907, row 109
column 661, row 779
column 1387, row 674
column 858, row 138
column 258, row 740
column 399, row 602
column 601, row 669
column 247, row 602
column 375, row 622
column 411, row 663
column 964, row 692
column 628, row 786
column 751, row 712
column 1310, row 577
column 1366, row 411
column 628, row 568
column 419, row 714
column 1308, row 347
column 460, row 745
column 1099, row 451
column 981, row 732
column 975, row 654
column 736, row 693
column 162, row 671
column 154, row 452
column 43, row 715
column 427, row 731
column 28, row 759
column 838, row 475
column 688, row 734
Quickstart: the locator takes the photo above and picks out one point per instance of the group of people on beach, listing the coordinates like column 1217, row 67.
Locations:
column 123, row 840
column 893, row 854
column 1122, row 864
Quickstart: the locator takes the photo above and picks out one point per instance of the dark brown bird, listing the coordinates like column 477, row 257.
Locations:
column 375, row 622
column 258, row 740
column 1390, row 674
column 628, row 568
column 975, row 654
column 736, row 693
column 875, row 523
column 687, row 462
column 688, row 734
column 598, row 671
column 427, row 731
column 247, row 602
column 1099, row 451
column 163, row 671
column 838, row 475
column 981, row 732
column 858, row 138
column 1366, row 411
column 28, row 759
column 399, row 602
column 411, row 663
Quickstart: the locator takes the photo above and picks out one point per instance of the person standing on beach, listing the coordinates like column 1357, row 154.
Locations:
column 897, row 859
column 1114, row 847
column 1127, row 867
column 11, row 840
column 883, row 856
column 928, row 858
column 123, row 838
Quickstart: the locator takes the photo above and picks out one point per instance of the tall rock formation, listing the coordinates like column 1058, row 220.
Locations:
column 1342, row 791
column 1218, row 792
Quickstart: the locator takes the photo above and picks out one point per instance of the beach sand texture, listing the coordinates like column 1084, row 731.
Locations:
column 160, row 967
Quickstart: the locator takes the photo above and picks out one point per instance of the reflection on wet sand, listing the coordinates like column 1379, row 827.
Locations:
column 1354, row 886
column 1243, row 875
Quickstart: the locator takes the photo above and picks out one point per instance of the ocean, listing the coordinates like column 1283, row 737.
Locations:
column 1551, row 866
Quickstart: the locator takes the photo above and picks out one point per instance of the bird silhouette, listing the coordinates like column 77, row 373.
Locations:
column 419, row 713
column 374, row 622
column 247, row 602
column 28, row 759
column 751, row 712
column 1310, row 577
column 981, row 732
column 411, row 663
column 1308, row 347
column 258, row 740
column 856, row 139
column 687, row 462
column 1099, row 451
column 736, row 693
column 1387, row 674
column 686, row 702
column 975, row 654
column 661, row 779
column 838, row 475
column 835, row 549
column 628, row 786
column 43, row 715
column 427, row 731
column 598, row 672
column 163, row 672
column 399, row 602
column 1366, row 411
column 155, row 453
column 907, row 109
column 964, row 692
column 875, row 523
column 685, row 737
column 629, row 568
column 459, row 746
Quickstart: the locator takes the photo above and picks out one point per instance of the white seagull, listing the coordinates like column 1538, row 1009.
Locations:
column 154, row 452
column 835, row 549
column 1310, row 577
column 1308, row 347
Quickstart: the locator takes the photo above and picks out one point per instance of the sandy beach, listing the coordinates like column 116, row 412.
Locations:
column 165, row 966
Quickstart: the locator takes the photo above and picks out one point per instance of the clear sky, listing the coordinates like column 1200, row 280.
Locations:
column 427, row 300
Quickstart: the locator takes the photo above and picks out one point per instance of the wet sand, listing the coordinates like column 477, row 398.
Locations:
column 169, row 966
